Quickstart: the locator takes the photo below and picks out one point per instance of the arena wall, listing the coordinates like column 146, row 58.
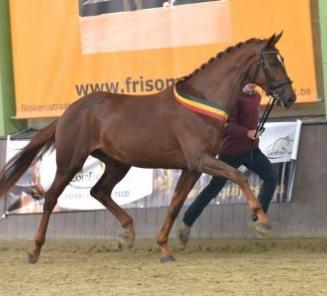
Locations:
column 304, row 216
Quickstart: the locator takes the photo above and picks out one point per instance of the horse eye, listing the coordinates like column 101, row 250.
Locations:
column 274, row 64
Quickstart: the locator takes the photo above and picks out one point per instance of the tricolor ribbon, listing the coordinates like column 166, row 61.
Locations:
column 201, row 106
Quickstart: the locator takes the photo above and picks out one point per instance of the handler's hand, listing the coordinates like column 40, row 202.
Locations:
column 251, row 134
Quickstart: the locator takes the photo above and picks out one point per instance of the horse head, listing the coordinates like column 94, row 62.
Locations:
column 271, row 75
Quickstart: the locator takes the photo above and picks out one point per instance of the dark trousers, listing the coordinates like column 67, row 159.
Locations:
column 257, row 162
column 152, row 3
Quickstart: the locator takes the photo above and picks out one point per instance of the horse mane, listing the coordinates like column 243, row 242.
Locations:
column 220, row 55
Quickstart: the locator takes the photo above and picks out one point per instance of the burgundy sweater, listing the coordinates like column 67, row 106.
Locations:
column 243, row 117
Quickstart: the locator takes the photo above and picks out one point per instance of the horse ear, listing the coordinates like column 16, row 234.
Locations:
column 274, row 39
column 278, row 36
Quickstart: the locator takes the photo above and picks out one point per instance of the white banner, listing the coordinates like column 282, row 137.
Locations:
column 137, row 184
column 280, row 140
column 147, row 187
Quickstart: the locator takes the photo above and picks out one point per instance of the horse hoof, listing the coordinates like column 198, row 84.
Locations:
column 184, row 235
column 32, row 259
column 261, row 230
column 167, row 259
column 127, row 241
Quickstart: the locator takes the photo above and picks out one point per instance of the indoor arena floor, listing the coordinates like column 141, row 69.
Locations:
column 216, row 267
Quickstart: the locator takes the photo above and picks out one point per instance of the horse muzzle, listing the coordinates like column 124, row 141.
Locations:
column 285, row 100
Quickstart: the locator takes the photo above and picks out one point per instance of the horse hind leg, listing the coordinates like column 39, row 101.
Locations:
column 50, row 201
column 62, row 178
column 114, row 172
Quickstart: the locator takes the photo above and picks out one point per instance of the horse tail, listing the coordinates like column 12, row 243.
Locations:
column 34, row 150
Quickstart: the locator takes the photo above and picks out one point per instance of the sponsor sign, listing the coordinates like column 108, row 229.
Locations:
column 63, row 50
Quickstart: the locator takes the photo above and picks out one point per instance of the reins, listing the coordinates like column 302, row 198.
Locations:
column 260, row 128
column 265, row 115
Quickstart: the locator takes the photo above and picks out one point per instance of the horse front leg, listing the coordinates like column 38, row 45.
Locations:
column 185, row 183
column 212, row 166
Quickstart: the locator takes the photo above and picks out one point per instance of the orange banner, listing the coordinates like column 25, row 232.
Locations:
column 61, row 53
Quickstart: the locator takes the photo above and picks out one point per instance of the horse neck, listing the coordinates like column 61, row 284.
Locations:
column 221, row 81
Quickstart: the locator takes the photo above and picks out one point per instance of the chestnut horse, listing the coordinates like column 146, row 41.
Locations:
column 178, row 128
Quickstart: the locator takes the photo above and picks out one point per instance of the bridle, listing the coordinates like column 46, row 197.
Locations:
column 272, row 86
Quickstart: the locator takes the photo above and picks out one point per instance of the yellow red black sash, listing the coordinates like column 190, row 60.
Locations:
column 201, row 106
